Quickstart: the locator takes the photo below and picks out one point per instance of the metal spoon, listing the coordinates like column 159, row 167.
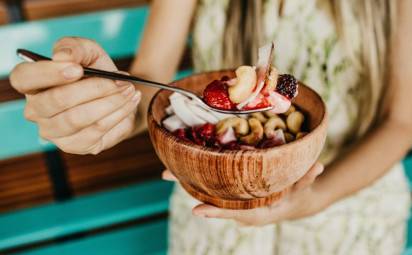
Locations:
column 32, row 57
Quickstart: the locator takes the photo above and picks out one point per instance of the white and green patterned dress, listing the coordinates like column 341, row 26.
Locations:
column 371, row 221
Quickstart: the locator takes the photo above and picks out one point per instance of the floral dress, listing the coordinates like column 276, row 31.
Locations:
column 372, row 221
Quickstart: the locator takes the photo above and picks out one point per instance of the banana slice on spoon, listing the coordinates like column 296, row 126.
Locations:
column 264, row 64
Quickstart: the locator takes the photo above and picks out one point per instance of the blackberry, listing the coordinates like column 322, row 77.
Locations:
column 287, row 86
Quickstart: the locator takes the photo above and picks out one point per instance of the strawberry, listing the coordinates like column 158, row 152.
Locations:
column 216, row 95
column 259, row 102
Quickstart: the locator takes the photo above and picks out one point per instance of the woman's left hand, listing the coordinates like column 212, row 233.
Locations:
column 304, row 199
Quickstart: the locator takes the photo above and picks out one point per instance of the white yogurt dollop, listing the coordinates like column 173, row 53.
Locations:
column 183, row 112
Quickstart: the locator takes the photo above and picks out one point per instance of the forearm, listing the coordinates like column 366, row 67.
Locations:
column 366, row 162
column 161, row 48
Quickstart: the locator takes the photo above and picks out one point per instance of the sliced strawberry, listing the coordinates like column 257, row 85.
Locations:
column 259, row 102
column 216, row 95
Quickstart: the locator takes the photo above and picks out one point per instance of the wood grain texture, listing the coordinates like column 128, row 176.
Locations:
column 4, row 16
column 42, row 9
column 131, row 161
column 238, row 179
column 24, row 182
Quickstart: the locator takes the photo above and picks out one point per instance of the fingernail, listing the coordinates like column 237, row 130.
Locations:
column 67, row 51
column 136, row 97
column 122, row 83
column 62, row 54
column 72, row 72
column 128, row 91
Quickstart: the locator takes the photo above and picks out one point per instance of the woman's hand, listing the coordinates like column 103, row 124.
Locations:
column 80, row 116
column 303, row 200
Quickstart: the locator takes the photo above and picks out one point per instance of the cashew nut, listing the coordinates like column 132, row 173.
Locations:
column 300, row 135
column 289, row 137
column 256, row 132
column 272, row 124
column 240, row 125
column 245, row 84
column 295, row 121
column 270, row 114
column 291, row 109
column 260, row 117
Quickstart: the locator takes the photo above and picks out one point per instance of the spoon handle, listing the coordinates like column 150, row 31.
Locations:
column 33, row 57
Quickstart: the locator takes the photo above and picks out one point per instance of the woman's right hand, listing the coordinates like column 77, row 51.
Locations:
column 81, row 116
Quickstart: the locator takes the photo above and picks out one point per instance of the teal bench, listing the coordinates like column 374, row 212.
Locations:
column 128, row 220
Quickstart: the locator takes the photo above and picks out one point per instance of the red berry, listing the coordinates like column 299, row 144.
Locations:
column 195, row 137
column 232, row 146
column 181, row 133
column 287, row 86
column 269, row 143
column 216, row 95
column 207, row 131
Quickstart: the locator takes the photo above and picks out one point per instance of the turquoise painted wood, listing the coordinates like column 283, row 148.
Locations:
column 83, row 214
column 18, row 136
column 118, row 31
column 408, row 170
column 145, row 239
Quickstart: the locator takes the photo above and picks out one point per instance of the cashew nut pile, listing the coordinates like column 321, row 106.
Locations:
column 258, row 128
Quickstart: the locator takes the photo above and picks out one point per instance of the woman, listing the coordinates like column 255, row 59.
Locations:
column 341, row 48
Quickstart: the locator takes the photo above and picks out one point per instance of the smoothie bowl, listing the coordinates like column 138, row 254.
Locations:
column 239, row 176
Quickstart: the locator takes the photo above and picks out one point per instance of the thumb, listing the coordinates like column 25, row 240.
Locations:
column 309, row 177
column 82, row 51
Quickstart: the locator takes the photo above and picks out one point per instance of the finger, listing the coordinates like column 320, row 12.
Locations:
column 309, row 177
column 168, row 176
column 209, row 211
column 56, row 100
column 120, row 132
column 31, row 77
column 81, row 116
column 101, row 135
column 251, row 217
column 82, row 51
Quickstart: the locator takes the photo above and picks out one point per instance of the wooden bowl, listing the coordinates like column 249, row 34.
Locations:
column 237, row 179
